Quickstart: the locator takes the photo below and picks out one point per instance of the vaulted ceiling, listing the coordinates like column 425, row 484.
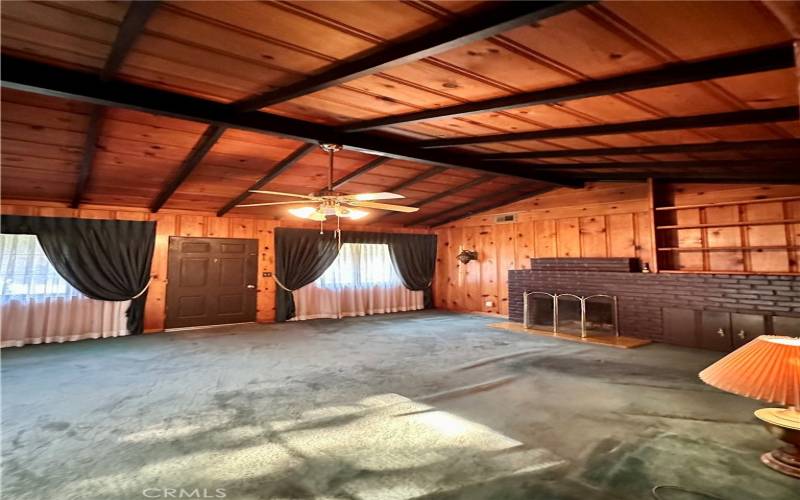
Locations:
column 458, row 105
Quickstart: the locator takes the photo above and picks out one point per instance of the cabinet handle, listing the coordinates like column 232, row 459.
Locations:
column 741, row 334
column 721, row 332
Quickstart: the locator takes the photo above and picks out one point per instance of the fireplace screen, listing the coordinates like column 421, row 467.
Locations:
column 540, row 311
column 595, row 315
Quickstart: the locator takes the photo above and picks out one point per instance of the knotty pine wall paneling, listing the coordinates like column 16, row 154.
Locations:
column 613, row 220
column 193, row 225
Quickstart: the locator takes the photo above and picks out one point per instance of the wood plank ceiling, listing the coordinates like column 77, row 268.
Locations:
column 473, row 103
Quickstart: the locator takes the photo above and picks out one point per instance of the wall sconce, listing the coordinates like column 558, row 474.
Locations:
column 467, row 255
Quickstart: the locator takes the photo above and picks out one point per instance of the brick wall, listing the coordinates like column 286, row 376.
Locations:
column 641, row 295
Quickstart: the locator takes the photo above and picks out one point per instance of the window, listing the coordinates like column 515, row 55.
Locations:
column 25, row 271
column 360, row 265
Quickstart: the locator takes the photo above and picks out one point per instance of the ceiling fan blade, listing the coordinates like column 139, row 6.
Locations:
column 383, row 206
column 374, row 196
column 278, row 193
column 272, row 203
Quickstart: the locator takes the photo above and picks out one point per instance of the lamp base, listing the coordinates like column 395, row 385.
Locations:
column 785, row 460
column 784, row 424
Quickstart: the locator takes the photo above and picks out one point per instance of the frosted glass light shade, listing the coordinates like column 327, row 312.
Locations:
column 304, row 212
column 767, row 369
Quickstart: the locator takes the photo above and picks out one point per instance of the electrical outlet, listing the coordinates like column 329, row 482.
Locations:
column 267, row 274
column 489, row 303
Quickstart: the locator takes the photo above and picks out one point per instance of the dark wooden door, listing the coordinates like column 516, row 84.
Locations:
column 679, row 326
column 211, row 281
column 715, row 331
column 746, row 327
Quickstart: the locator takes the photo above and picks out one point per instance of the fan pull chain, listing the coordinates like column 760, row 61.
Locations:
column 330, row 169
column 338, row 234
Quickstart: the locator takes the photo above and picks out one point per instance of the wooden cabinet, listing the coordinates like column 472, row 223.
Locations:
column 720, row 331
column 679, row 326
column 784, row 325
column 715, row 331
column 746, row 327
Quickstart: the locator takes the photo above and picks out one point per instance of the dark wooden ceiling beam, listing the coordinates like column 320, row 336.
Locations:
column 87, row 160
column 705, row 147
column 731, row 118
column 448, row 192
column 497, row 18
column 129, row 30
column 275, row 171
column 791, row 164
column 204, row 144
column 30, row 76
column 721, row 177
column 476, row 206
column 372, row 165
column 763, row 60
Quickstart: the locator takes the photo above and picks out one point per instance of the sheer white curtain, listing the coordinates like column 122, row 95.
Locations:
column 38, row 306
column 361, row 281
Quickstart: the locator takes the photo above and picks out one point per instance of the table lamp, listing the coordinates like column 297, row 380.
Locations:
column 767, row 369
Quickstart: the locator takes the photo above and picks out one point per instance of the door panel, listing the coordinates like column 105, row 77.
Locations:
column 784, row 325
column 715, row 332
column 679, row 326
column 211, row 281
column 746, row 327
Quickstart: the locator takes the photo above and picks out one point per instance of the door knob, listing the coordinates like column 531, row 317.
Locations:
column 721, row 332
column 741, row 334
column 251, row 286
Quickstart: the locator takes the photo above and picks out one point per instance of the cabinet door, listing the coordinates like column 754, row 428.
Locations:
column 715, row 332
column 784, row 325
column 679, row 326
column 746, row 327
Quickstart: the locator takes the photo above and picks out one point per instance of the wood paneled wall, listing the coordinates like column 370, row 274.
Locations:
column 196, row 225
column 602, row 220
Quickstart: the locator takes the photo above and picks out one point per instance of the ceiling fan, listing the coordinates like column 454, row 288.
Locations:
column 320, row 205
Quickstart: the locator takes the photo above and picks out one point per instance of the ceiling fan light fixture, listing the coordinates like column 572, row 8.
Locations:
column 303, row 212
column 357, row 214
column 318, row 216
column 349, row 213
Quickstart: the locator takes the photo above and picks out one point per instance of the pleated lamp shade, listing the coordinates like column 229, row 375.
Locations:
column 767, row 369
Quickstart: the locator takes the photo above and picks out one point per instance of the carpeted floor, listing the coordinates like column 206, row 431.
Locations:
column 412, row 405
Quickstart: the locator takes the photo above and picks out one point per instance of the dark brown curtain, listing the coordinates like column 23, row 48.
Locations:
column 414, row 257
column 102, row 259
column 303, row 255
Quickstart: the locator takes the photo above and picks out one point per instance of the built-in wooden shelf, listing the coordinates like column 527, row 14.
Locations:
column 761, row 238
column 729, row 249
column 733, row 224
column 726, row 271
column 731, row 203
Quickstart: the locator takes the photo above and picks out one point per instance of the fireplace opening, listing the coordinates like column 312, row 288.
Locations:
column 595, row 315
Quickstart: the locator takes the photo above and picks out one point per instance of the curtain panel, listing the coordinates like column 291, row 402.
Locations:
column 303, row 255
column 38, row 306
column 102, row 259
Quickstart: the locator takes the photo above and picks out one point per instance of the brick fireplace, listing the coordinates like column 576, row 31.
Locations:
column 715, row 311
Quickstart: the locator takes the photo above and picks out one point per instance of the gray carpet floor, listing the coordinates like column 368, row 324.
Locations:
column 411, row 405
